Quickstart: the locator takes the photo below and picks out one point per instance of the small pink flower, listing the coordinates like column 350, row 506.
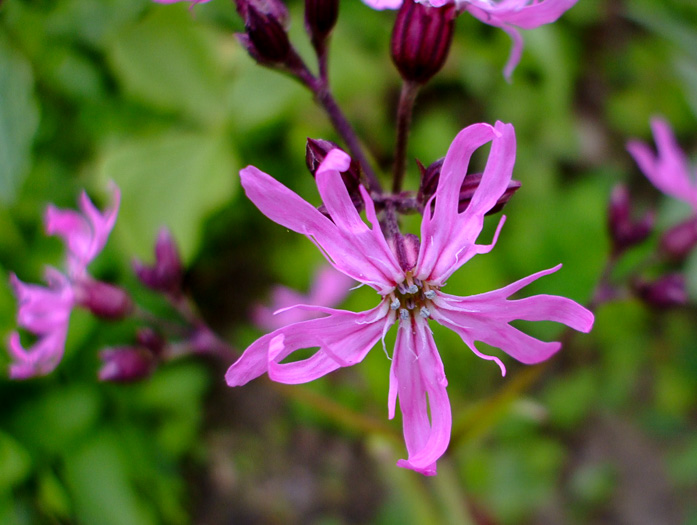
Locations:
column 408, row 279
column 84, row 234
column 45, row 311
column 509, row 15
column 669, row 170
column 329, row 288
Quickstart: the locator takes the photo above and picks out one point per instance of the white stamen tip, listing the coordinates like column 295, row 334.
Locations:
column 430, row 294
column 424, row 312
column 394, row 305
column 404, row 314
column 413, row 289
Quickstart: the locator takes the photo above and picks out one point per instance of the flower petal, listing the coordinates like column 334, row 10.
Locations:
column 344, row 251
column 669, row 171
column 84, row 234
column 343, row 339
column 418, row 379
column 448, row 237
column 509, row 14
column 486, row 317
column 521, row 13
column 43, row 309
column 368, row 241
column 39, row 359
column 383, row 4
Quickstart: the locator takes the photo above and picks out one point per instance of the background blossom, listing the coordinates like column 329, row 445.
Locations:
column 45, row 311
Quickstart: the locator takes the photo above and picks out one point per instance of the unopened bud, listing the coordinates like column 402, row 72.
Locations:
column 680, row 240
column 315, row 152
column 469, row 188
column 265, row 36
column 665, row 292
column 625, row 232
column 421, row 39
column 103, row 300
column 320, row 17
column 125, row 364
column 166, row 274
column 429, row 183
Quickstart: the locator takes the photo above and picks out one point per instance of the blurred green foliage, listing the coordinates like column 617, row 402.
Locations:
column 164, row 101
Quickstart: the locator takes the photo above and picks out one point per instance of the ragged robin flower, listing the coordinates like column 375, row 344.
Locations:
column 45, row 311
column 408, row 276
column 669, row 170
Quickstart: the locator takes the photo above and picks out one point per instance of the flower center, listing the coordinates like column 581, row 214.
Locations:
column 413, row 296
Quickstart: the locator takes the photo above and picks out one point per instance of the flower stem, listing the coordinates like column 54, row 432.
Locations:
column 407, row 97
column 343, row 127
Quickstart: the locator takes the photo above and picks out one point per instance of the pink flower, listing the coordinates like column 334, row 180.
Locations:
column 45, row 311
column 408, row 279
column 84, row 234
column 509, row 15
column 329, row 288
column 669, row 170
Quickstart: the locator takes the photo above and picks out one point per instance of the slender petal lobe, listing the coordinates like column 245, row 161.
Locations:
column 486, row 317
column 670, row 170
column 447, row 236
column 342, row 338
column 348, row 243
column 417, row 378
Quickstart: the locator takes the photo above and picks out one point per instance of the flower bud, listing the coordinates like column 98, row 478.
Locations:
column 470, row 185
column 666, row 292
column 625, row 232
column 315, row 152
column 104, row 300
column 421, row 39
column 125, row 364
column 265, row 38
column 680, row 240
column 166, row 274
column 320, row 17
column 429, row 183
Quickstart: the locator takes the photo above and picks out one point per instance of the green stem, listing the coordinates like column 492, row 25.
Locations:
column 404, row 112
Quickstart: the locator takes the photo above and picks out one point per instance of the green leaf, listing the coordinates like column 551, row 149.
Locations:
column 173, row 180
column 19, row 119
column 99, row 483
column 15, row 461
column 59, row 419
column 168, row 62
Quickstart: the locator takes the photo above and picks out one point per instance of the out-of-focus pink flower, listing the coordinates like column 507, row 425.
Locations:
column 669, row 170
column 509, row 15
column 165, row 275
column 84, row 234
column 408, row 276
column 328, row 289
column 45, row 310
